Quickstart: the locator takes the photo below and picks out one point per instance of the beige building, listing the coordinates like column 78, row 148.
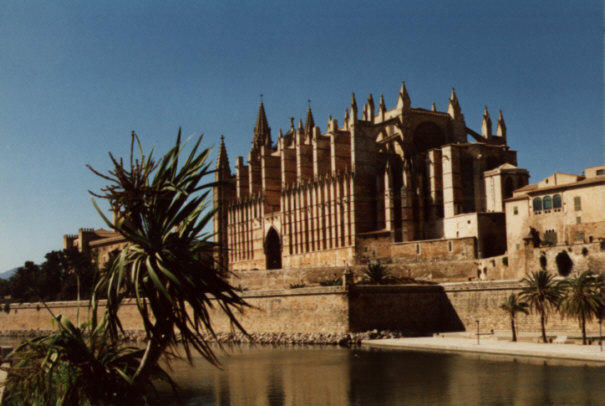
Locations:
column 562, row 215
column 98, row 244
column 400, row 182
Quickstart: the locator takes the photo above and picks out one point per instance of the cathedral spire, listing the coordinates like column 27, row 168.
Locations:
column 486, row 125
column 262, row 132
column 222, row 162
column 309, row 122
column 403, row 101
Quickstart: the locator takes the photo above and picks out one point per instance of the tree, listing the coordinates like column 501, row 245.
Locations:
column 542, row 294
column 168, row 266
column 582, row 299
column 27, row 284
column 512, row 306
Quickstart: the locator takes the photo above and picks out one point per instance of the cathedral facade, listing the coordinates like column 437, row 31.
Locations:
column 401, row 183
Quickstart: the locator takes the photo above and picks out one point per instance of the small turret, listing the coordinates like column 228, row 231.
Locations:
column 433, row 107
column 403, row 101
column 345, row 122
column 453, row 107
column 353, row 117
column 501, row 128
column 300, row 133
column 280, row 140
column 486, row 125
column 369, row 108
column 382, row 108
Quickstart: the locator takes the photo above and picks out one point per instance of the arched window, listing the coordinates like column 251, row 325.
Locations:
column 537, row 204
column 547, row 202
column 556, row 202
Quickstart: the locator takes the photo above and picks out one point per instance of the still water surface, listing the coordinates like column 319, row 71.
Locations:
column 337, row 376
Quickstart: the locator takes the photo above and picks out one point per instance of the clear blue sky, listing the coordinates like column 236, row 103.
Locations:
column 77, row 76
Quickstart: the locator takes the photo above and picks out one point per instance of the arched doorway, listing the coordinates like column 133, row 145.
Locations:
column 273, row 250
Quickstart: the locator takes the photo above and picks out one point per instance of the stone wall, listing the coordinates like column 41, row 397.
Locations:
column 481, row 301
column 412, row 309
column 409, row 308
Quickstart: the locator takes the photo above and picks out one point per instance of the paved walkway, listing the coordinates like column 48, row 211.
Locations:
column 591, row 354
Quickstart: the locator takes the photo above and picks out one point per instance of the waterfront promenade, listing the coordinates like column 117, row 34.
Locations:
column 493, row 345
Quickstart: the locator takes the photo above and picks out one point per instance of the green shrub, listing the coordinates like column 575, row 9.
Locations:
column 377, row 274
column 331, row 282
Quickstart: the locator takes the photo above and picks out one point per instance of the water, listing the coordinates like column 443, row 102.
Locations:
column 337, row 376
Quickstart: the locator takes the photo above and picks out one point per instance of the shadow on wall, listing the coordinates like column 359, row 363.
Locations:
column 413, row 310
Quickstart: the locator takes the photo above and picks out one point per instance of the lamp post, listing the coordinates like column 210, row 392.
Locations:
column 477, row 321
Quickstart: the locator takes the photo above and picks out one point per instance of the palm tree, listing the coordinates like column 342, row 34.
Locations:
column 582, row 299
column 512, row 306
column 542, row 294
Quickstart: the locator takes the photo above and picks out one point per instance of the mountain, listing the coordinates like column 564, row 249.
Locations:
column 8, row 274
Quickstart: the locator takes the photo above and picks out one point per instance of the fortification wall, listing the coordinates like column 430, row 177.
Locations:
column 481, row 301
column 412, row 309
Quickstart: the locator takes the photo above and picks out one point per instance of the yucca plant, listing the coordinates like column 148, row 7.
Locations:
column 512, row 305
column 78, row 366
column 582, row 299
column 167, row 264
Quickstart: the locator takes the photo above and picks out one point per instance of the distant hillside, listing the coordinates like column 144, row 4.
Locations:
column 8, row 274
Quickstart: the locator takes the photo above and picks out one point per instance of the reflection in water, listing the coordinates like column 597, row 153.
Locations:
column 334, row 376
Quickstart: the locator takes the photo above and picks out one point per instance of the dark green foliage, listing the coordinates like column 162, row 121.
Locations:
column 56, row 279
column 582, row 299
column 542, row 294
column 67, row 368
column 331, row 282
column 377, row 274
column 297, row 285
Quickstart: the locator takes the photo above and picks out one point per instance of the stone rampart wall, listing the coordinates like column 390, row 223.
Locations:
column 408, row 308
column 481, row 301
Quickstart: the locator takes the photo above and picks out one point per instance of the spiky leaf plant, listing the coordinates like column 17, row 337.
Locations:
column 167, row 265
column 377, row 274
column 78, row 366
